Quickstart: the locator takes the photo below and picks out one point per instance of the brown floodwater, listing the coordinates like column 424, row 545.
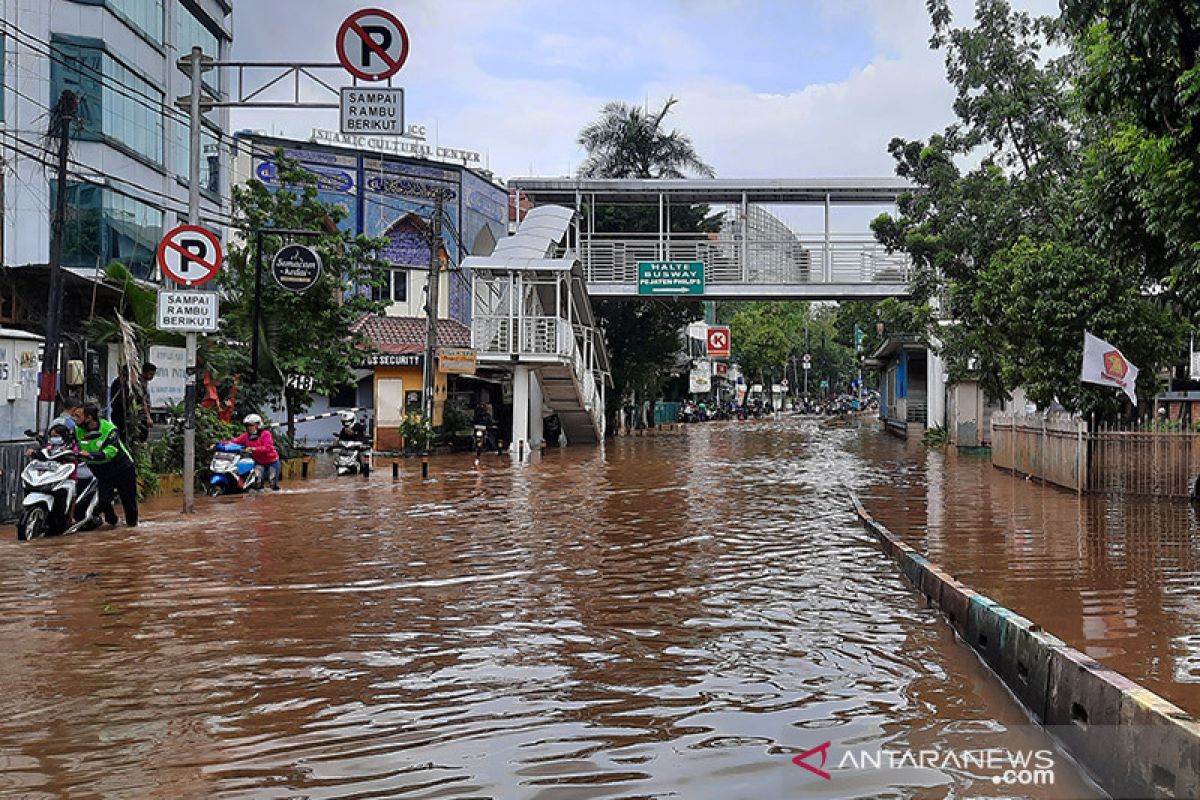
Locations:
column 669, row 616
column 1118, row 578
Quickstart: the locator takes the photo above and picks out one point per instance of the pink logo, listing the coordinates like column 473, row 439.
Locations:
column 823, row 749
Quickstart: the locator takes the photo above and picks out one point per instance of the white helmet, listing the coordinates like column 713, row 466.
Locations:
column 348, row 417
column 252, row 419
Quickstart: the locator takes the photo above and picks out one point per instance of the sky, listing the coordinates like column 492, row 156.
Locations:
column 766, row 88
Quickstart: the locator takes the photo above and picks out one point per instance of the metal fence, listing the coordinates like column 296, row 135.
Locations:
column 1109, row 460
column 12, row 461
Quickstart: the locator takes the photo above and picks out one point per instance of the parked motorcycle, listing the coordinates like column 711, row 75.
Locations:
column 352, row 458
column 233, row 471
column 61, row 495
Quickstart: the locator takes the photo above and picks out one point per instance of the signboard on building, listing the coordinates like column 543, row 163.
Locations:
column 296, row 267
column 722, row 369
column 187, row 312
column 395, row 359
column 373, row 111
column 700, row 379
column 456, row 361
column 718, row 342
column 670, row 277
column 170, row 381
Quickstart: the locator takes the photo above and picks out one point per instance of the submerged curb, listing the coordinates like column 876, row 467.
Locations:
column 1133, row 742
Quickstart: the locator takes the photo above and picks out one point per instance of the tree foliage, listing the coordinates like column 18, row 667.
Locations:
column 1053, row 231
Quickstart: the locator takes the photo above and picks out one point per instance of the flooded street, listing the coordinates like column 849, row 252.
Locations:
column 1118, row 578
column 670, row 616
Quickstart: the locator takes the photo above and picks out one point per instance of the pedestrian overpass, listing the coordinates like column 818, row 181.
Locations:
column 755, row 256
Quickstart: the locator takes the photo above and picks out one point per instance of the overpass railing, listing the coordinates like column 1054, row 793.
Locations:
column 843, row 259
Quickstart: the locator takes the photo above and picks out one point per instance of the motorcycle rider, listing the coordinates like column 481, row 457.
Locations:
column 352, row 430
column 109, row 460
column 259, row 442
column 483, row 416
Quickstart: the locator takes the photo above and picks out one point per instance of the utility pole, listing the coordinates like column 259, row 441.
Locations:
column 60, row 126
column 195, row 66
column 431, row 300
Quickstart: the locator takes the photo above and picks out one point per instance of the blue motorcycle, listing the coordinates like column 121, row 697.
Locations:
column 233, row 471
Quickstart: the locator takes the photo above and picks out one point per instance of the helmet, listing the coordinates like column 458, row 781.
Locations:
column 348, row 417
column 59, row 423
column 252, row 419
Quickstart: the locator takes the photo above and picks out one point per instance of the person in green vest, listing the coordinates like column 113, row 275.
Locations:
column 109, row 460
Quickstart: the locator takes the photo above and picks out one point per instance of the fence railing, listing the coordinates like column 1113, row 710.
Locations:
column 1063, row 451
column 613, row 258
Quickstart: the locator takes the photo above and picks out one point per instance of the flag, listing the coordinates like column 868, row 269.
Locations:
column 1107, row 366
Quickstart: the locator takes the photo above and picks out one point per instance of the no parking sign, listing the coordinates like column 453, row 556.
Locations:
column 372, row 44
column 190, row 255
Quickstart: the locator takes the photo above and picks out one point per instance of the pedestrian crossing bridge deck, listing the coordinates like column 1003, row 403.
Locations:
column 754, row 255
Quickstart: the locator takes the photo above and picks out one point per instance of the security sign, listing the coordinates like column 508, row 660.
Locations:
column 190, row 255
column 718, row 342
column 372, row 44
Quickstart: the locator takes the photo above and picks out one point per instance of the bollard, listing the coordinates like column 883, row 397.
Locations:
column 304, row 470
column 424, row 467
column 521, row 450
column 395, row 470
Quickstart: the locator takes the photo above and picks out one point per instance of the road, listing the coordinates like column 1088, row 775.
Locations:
column 671, row 616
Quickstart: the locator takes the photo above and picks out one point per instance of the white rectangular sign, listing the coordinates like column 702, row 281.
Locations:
column 369, row 110
column 187, row 311
column 170, row 381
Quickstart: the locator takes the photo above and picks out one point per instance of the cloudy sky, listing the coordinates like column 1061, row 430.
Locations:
column 766, row 88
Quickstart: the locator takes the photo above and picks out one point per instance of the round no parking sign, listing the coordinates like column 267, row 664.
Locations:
column 190, row 255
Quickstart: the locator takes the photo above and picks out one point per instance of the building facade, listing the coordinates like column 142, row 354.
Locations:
column 128, row 174
column 390, row 196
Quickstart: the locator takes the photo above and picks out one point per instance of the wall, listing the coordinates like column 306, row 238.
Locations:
column 19, row 367
column 387, row 436
column 1053, row 448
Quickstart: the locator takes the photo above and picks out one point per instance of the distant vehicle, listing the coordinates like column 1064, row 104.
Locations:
column 351, row 458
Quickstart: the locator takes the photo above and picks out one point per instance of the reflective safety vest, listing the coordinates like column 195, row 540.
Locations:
column 106, row 442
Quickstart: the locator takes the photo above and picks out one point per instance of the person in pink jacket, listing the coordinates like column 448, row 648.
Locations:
column 261, row 445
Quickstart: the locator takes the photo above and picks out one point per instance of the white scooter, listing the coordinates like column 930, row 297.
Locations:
column 61, row 495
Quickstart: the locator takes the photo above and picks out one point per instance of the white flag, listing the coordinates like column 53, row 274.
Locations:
column 1105, row 365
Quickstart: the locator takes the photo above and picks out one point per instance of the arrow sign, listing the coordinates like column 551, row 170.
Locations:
column 190, row 255
column 372, row 44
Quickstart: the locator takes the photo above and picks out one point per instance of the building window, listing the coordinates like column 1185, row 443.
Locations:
column 115, row 103
column 210, row 155
column 146, row 16
column 102, row 226
column 189, row 32
column 399, row 286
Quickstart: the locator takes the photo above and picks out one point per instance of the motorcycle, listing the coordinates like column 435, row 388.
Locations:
column 61, row 495
column 352, row 458
column 483, row 438
column 233, row 471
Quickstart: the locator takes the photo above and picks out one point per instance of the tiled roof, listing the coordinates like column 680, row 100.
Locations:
column 402, row 335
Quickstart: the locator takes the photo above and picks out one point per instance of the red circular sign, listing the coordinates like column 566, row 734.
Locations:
column 190, row 255
column 372, row 44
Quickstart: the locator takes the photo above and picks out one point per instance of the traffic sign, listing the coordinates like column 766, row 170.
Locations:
column 807, row 365
column 372, row 44
column 378, row 111
column 190, row 255
column 296, row 268
column 187, row 312
column 670, row 277
column 718, row 342
column 807, row 358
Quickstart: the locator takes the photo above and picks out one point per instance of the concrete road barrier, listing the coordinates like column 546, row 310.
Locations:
column 1131, row 741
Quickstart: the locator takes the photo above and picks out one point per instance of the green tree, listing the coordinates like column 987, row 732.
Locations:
column 1006, row 251
column 643, row 336
column 299, row 334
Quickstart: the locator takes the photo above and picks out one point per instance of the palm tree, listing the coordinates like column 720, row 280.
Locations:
column 629, row 142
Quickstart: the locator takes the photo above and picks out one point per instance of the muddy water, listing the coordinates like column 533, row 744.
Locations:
column 1118, row 578
column 675, row 616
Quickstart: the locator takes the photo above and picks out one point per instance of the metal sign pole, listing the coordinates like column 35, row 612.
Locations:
column 189, row 393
